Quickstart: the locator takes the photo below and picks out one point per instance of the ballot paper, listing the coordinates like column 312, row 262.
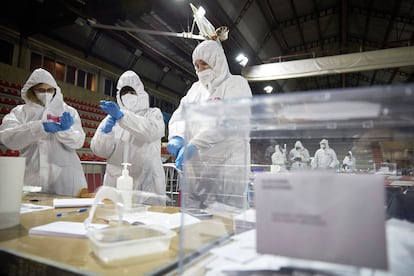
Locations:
column 72, row 202
column 323, row 216
column 29, row 207
column 166, row 220
column 63, row 229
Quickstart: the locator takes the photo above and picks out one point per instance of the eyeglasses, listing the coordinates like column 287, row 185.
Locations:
column 44, row 90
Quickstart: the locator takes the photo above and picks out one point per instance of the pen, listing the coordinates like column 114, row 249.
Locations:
column 72, row 212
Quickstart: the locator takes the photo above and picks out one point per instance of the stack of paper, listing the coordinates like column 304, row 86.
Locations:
column 72, row 202
column 63, row 229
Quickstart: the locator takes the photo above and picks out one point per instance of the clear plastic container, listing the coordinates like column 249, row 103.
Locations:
column 126, row 241
column 119, row 240
column 108, row 211
column 375, row 123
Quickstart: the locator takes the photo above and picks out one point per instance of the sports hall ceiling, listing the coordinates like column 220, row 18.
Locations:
column 266, row 31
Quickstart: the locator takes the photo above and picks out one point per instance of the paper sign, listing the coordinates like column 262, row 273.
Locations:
column 338, row 218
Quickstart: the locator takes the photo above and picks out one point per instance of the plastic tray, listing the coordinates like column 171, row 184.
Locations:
column 121, row 242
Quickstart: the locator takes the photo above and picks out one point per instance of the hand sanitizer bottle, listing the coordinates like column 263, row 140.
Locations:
column 124, row 184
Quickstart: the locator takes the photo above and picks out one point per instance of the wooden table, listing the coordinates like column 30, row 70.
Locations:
column 24, row 254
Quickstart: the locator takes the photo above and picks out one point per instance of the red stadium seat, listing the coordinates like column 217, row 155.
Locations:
column 10, row 152
column 86, row 157
column 5, row 110
column 86, row 144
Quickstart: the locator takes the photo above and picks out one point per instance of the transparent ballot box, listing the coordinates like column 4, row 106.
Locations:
column 299, row 174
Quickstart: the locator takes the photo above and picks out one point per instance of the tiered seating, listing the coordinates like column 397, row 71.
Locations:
column 10, row 152
column 9, row 98
column 90, row 125
column 4, row 83
column 86, row 144
column 5, row 110
column 86, row 156
column 91, row 115
column 90, row 134
column 8, row 101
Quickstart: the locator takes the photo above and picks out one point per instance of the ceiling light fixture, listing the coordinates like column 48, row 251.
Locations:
column 268, row 89
column 242, row 59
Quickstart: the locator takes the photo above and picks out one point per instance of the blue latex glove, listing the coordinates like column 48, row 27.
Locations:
column 109, row 124
column 112, row 109
column 174, row 145
column 187, row 151
column 51, row 127
column 66, row 121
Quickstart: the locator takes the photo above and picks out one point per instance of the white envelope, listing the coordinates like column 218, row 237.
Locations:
column 338, row 218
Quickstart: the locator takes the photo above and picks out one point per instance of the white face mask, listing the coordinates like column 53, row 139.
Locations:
column 135, row 102
column 45, row 98
column 130, row 101
column 206, row 76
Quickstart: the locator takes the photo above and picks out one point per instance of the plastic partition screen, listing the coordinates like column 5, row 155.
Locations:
column 362, row 131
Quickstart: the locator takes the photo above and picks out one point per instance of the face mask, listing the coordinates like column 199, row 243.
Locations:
column 45, row 98
column 130, row 101
column 206, row 76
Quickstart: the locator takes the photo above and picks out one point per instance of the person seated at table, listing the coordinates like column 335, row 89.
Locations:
column 349, row 162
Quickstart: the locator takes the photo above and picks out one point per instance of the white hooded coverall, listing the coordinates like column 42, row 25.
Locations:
column 349, row 164
column 51, row 159
column 278, row 160
column 221, row 169
column 325, row 158
column 299, row 157
column 135, row 139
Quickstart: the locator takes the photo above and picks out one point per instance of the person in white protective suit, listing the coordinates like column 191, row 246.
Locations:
column 299, row 157
column 47, row 132
column 218, row 161
column 269, row 151
column 279, row 160
column 349, row 162
column 325, row 157
column 131, row 133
